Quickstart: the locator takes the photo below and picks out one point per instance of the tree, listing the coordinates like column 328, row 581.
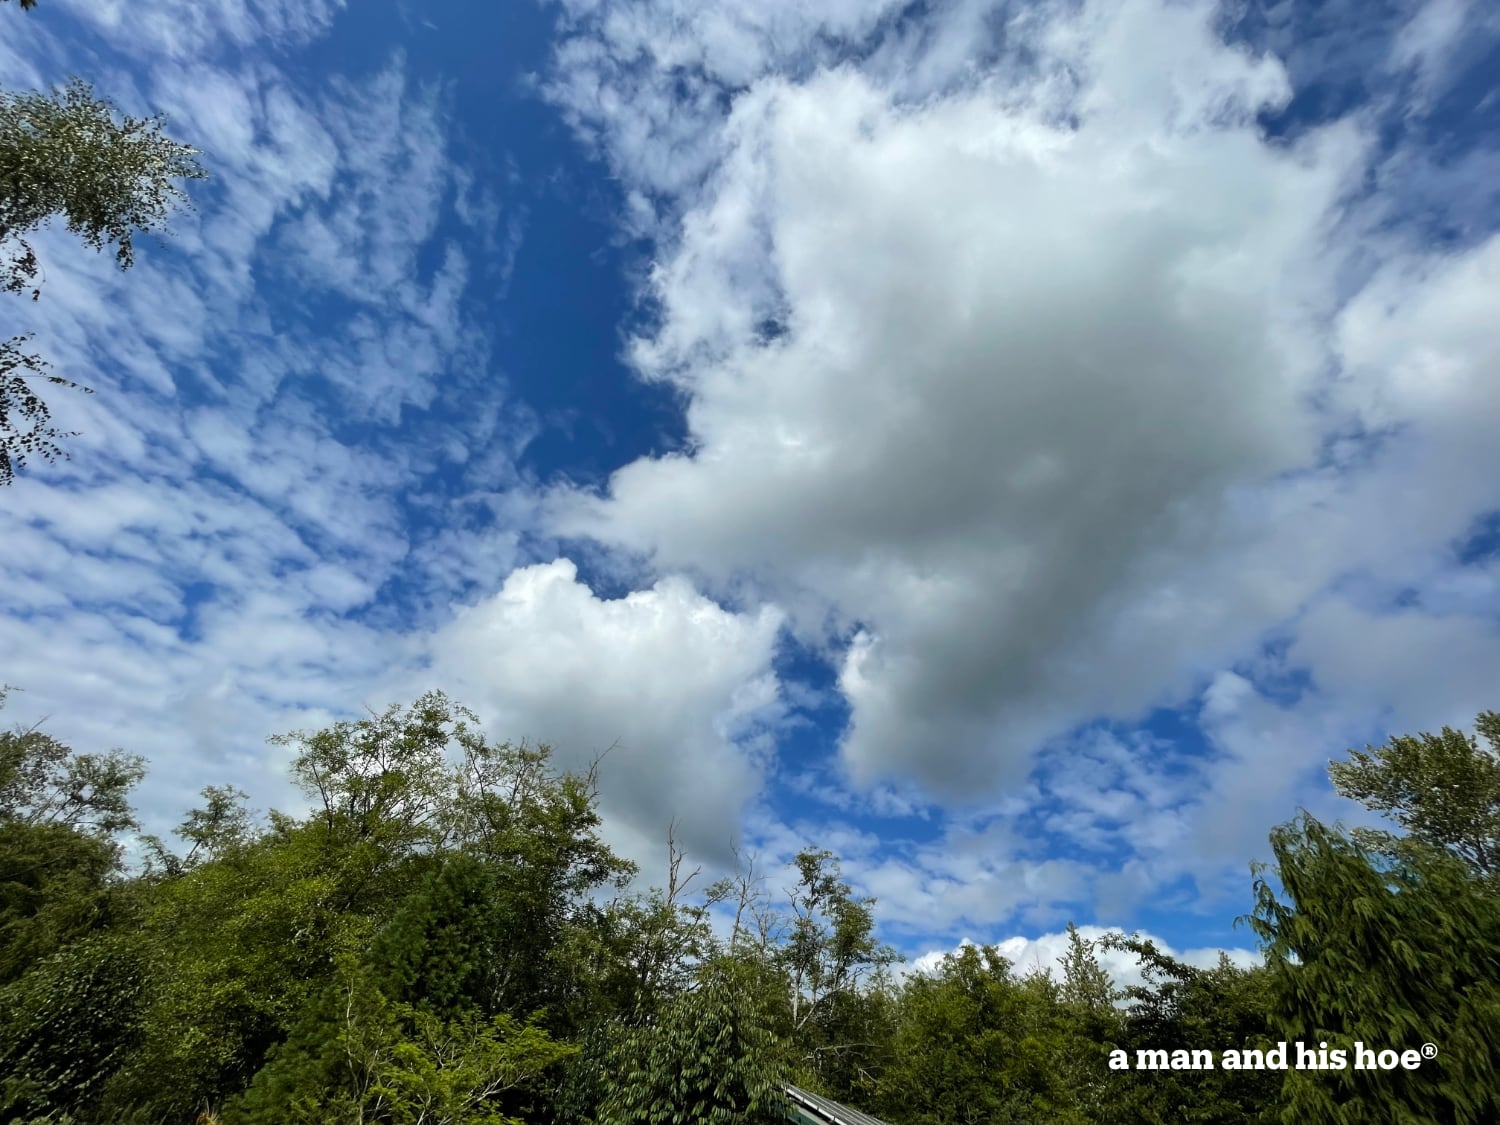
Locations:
column 1443, row 789
column 26, row 428
column 538, row 829
column 238, row 946
column 709, row 1058
column 1390, row 953
column 829, row 955
column 453, row 873
column 65, row 154
column 221, row 825
column 1085, row 983
column 69, row 154
column 1183, row 1006
column 458, row 1071
column 56, row 884
column 637, row 955
column 66, row 1026
column 43, row 781
column 628, row 957
column 831, row 941
column 1089, row 1022
column 241, row 944
column 60, row 814
column 975, row 1044
column 445, row 948
column 358, row 1056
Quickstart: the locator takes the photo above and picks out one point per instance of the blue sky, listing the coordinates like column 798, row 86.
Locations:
column 1012, row 445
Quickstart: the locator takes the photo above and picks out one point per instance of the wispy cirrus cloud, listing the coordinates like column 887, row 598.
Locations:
column 198, row 575
column 179, row 29
column 297, row 489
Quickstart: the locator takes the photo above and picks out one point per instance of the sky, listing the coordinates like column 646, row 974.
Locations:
column 1011, row 445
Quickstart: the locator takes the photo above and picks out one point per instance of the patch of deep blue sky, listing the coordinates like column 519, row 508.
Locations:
column 1336, row 53
column 555, row 300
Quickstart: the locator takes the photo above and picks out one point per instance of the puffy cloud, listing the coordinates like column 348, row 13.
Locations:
column 1044, row 951
column 1040, row 381
column 672, row 686
column 645, row 83
column 1020, row 366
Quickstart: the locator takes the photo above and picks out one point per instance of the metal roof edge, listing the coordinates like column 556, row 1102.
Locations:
column 824, row 1110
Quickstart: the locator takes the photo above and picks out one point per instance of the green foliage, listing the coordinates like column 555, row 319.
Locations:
column 238, row 947
column 59, row 812
column 587, row 1078
column 444, row 937
column 537, row 830
column 220, row 826
column 1088, row 1025
column 832, row 938
column 445, row 946
column 379, row 782
column 1085, row 986
column 388, row 793
column 624, row 959
column 829, row 953
column 66, row 1026
column 707, row 1058
column 976, row 1043
column 846, row 1052
column 359, row 1056
column 632, row 958
column 55, row 885
column 1182, row 1006
column 26, row 428
column 1390, row 955
column 457, row 1071
column 1442, row 789
column 69, row 153
column 43, row 781
column 454, row 872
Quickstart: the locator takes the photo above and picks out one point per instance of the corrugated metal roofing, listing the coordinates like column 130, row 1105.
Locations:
column 810, row 1109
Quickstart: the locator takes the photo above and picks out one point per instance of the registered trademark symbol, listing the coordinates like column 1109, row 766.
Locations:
column 1429, row 1050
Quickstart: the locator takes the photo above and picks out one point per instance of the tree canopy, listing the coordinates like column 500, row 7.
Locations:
column 70, row 155
column 1442, row 790
column 442, row 934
